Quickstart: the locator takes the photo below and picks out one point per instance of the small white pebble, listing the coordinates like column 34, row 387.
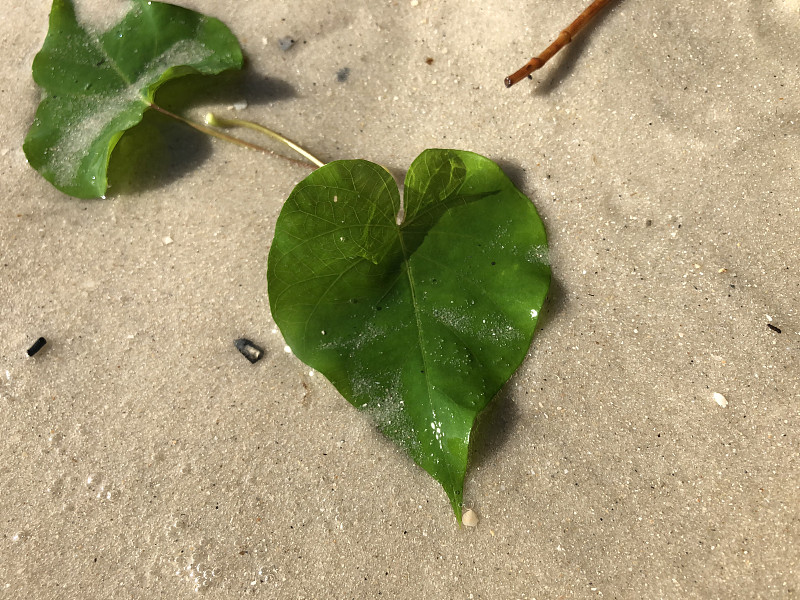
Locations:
column 414, row 2
column 720, row 399
column 166, row 240
column 241, row 105
column 287, row 349
column 469, row 518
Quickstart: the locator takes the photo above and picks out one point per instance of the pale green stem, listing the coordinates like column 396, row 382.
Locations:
column 224, row 136
column 217, row 121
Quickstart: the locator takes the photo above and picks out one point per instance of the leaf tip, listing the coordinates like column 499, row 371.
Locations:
column 456, row 502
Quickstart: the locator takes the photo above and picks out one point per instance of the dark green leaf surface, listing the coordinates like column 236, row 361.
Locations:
column 98, row 84
column 418, row 323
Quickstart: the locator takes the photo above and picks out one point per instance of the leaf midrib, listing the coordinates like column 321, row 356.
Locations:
column 415, row 306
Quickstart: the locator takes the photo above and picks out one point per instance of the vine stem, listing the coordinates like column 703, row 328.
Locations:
column 564, row 38
column 228, row 138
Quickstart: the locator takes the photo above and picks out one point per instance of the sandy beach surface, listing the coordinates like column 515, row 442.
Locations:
column 646, row 448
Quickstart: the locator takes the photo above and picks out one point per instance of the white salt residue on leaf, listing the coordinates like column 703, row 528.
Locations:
column 459, row 361
column 88, row 120
column 368, row 334
column 493, row 328
column 538, row 255
column 189, row 53
column 366, row 383
column 504, row 333
column 387, row 408
column 458, row 320
column 105, row 15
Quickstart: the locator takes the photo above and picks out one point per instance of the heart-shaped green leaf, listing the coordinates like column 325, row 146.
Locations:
column 98, row 84
column 418, row 314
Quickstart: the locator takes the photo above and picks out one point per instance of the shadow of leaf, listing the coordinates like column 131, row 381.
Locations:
column 513, row 171
column 493, row 428
column 555, row 304
column 160, row 150
column 154, row 153
column 226, row 88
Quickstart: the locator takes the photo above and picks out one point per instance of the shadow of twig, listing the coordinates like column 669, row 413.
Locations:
column 567, row 59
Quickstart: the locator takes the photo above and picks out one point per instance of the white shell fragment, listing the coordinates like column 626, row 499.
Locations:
column 470, row 518
column 720, row 399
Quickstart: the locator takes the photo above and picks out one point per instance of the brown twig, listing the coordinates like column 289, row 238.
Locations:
column 564, row 38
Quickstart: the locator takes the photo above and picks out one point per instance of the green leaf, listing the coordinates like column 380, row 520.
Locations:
column 418, row 323
column 98, row 84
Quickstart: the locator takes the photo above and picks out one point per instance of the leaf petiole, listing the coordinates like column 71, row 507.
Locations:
column 223, row 136
column 217, row 121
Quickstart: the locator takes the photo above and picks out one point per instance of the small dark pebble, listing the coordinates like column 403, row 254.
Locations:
column 343, row 74
column 249, row 350
column 37, row 345
column 285, row 43
column 775, row 329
